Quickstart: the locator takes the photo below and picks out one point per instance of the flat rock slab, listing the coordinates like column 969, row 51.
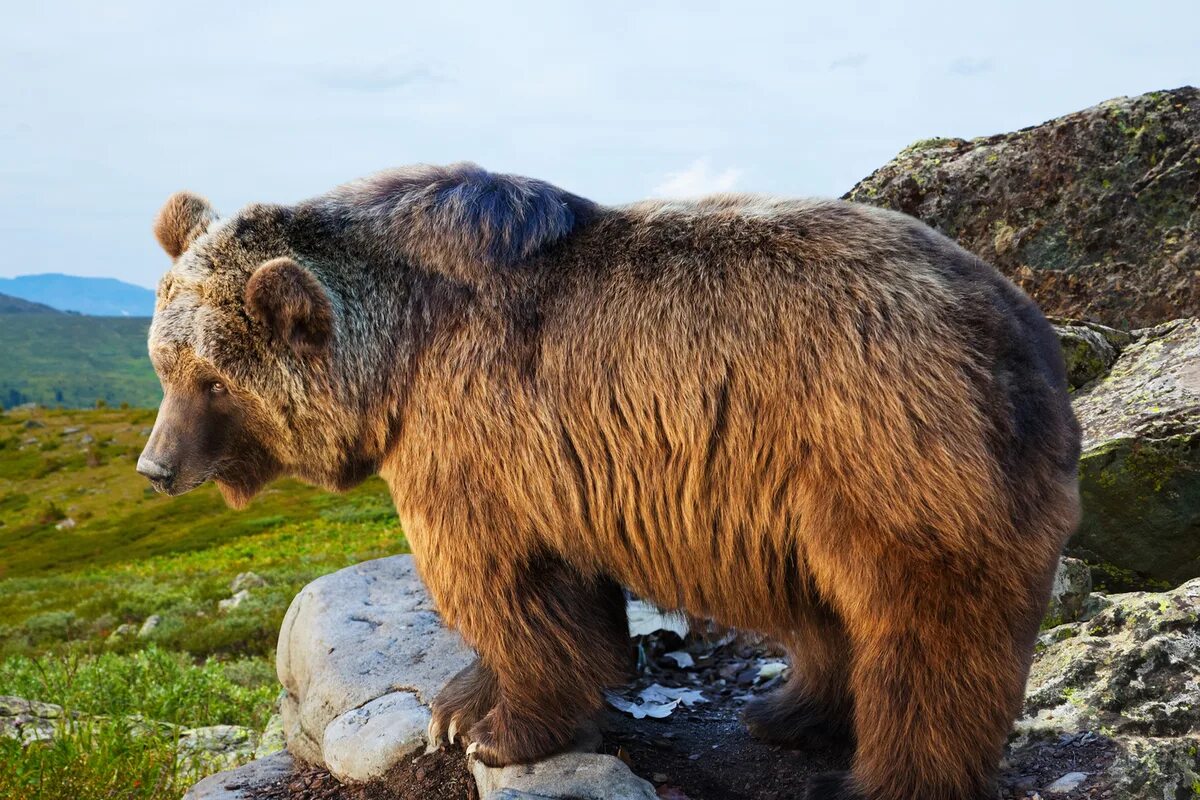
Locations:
column 245, row 782
column 579, row 776
column 362, row 653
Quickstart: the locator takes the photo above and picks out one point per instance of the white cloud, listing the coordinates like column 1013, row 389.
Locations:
column 696, row 180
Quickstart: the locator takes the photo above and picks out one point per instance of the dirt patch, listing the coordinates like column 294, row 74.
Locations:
column 1039, row 764
column 434, row 776
column 704, row 753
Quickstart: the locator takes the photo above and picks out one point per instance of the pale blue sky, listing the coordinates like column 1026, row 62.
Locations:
column 106, row 108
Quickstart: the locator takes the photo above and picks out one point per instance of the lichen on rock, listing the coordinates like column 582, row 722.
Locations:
column 1130, row 673
column 1093, row 213
column 1140, row 467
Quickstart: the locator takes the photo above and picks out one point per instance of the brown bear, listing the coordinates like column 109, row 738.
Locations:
column 815, row 419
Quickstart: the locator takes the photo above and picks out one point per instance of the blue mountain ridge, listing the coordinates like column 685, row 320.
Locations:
column 98, row 297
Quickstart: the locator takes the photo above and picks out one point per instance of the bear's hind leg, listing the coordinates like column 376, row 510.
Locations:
column 941, row 645
column 553, row 638
column 814, row 707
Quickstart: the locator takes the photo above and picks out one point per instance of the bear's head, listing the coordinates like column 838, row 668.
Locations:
column 280, row 334
column 243, row 340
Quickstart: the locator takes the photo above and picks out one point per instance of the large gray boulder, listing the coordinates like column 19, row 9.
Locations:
column 1140, row 469
column 362, row 654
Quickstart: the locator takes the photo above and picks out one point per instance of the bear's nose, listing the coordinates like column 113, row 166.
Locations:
column 154, row 470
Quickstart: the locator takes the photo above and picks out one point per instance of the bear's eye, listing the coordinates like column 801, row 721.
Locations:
column 216, row 387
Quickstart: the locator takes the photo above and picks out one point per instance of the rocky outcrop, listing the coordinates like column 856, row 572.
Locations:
column 1130, row 674
column 1140, row 469
column 1113, row 699
column 1095, row 214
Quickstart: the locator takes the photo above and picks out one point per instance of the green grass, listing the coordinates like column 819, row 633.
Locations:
column 65, row 590
column 154, row 682
column 104, row 758
column 73, row 361
column 80, row 466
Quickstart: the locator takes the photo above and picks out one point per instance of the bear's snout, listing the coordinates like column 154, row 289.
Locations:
column 160, row 476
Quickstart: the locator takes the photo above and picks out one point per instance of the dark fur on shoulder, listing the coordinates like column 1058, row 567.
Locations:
column 814, row 419
column 461, row 219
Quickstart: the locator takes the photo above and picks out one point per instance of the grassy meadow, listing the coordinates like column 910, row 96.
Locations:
column 86, row 547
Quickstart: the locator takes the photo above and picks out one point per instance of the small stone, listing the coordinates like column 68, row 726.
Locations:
column 659, row 777
column 246, row 580
column 65, row 525
column 231, row 603
column 152, row 622
column 581, row 776
column 1067, row 783
column 1025, row 783
column 124, row 631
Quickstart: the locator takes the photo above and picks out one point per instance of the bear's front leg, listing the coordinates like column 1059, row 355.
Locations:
column 462, row 702
column 550, row 639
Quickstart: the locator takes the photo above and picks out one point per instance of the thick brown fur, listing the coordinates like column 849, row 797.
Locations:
column 814, row 419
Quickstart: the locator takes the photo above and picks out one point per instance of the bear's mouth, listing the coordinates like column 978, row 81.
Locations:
column 173, row 487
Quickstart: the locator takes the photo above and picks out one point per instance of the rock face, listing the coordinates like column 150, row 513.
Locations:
column 362, row 653
column 1095, row 214
column 1089, row 350
column 1140, row 470
column 1131, row 673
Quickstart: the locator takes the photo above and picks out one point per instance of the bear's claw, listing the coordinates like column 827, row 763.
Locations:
column 433, row 733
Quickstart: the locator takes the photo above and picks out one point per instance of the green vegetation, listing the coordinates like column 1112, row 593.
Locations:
column 72, row 361
column 110, row 758
column 155, row 683
column 88, row 553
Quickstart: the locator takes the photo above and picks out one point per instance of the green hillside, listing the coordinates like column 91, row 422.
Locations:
column 89, row 553
column 16, row 305
column 70, row 360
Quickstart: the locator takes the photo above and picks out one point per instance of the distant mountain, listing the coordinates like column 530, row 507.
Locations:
column 15, row 305
column 99, row 297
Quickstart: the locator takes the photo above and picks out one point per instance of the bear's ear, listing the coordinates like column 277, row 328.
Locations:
column 292, row 304
column 181, row 220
